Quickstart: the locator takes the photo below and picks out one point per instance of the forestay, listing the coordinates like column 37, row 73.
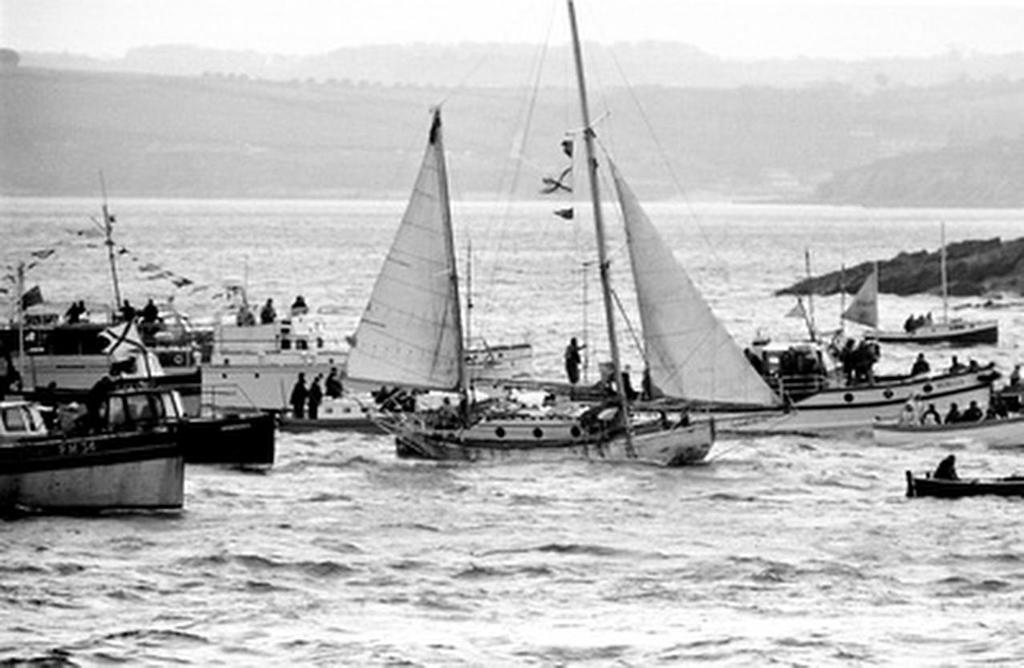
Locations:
column 410, row 333
column 689, row 352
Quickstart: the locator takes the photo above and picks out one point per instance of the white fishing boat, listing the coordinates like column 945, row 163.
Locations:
column 134, row 467
column 257, row 365
column 992, row 432
column 411, row 336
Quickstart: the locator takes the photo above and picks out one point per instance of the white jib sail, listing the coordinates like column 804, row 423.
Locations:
column 690, row 353
column 410, row 333
column 864, row 307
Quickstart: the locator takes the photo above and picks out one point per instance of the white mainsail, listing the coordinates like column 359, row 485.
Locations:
column 864, row 307
column 410, row 333
column 690, row 353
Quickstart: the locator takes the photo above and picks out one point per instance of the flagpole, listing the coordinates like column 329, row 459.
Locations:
column 21, row 322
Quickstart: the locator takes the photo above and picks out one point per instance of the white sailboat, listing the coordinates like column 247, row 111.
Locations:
column 410, row 336
column 947, row 330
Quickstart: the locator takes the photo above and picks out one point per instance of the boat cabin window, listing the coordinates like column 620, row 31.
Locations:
column 116, row 416
column 794, row 362
column 16, row 420
column 171, row 405
column 144, row 408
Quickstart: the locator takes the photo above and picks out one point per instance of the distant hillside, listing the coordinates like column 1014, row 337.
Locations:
column 510, row 65
column 974, row 267
column 982, row 175
column 232, row 136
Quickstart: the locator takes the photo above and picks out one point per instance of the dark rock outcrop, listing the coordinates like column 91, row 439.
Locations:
column 973, row 267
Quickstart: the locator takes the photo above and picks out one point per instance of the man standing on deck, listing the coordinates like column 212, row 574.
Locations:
column 298, row 398
column 572, row 361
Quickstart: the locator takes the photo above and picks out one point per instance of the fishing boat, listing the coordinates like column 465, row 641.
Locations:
column 957, row 331
column 411, row 335
column 992, row 432
column 858, row 407
column 139, row 464
column 927, row 485
column 213, row 436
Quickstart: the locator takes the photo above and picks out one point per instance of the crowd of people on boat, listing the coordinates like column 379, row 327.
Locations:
column 246, row 317
column 305, row 400
column 915, row 322
column 913, row 415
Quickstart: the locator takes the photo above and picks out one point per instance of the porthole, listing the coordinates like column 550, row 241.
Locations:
column 500, row 432
column 575, row 432
column 847, row 397
column 538, row 432
column 927, row 388
column 887, row 393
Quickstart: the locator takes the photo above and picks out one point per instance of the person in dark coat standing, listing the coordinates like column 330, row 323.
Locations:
column 572, row 361
column 267, row 314
column 316, row 397
column 332, row 386
column 299, row 396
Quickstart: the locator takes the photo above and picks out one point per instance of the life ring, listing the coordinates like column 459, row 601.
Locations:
column 178, row 359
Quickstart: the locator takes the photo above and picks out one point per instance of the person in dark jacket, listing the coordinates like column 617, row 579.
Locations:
column 332, row 386
column 973, row 413
column 953, row 415
column 572, row 361
column 299, row 396
column 946, row 470
column 316, row 397
column 267, row 314
column 920, row 365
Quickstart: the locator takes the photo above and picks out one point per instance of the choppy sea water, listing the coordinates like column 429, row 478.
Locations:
column 781, row 550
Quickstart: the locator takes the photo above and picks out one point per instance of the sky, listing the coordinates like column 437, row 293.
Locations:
column 736, row 29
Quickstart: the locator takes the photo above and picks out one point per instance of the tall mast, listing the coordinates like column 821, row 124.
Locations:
column 942, row 270
column 595, row 202
column 108, row 229
column 469, row 295
column 449, row 239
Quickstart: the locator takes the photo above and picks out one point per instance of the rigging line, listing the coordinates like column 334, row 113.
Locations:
column 663, row 156
column 519, row 148
column 629, row 326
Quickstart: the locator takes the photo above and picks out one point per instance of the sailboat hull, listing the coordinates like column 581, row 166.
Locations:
column 955, row 331
column 540, row 440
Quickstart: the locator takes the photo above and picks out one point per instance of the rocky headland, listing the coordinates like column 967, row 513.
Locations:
column 973, row 268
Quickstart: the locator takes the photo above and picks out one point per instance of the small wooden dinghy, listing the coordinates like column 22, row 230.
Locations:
column 955, row 489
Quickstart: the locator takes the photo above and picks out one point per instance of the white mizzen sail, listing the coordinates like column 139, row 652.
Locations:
column 411, row 332
column 690, row 353
column 864, row 307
